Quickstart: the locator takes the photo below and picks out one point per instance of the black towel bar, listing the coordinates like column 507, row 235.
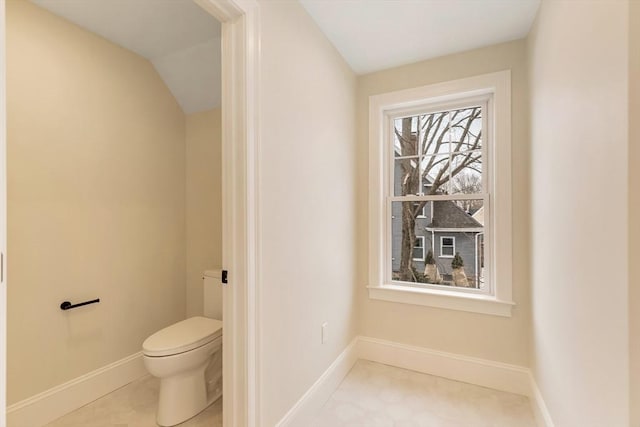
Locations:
column 68, row 306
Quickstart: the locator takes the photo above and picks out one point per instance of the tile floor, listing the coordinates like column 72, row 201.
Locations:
column 372, row 395
column 133, row 405
column 375, row 395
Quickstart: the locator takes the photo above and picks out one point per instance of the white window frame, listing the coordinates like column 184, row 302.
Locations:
column 442, row 244
column 497, row 298
column 421, row 238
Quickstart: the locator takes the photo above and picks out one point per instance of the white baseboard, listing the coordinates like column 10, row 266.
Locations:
column 540, row 410
column 472, row 370
column 49, row 405
column 482, row 372
column 310, row 403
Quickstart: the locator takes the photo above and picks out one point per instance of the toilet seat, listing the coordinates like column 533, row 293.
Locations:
column 181, row 337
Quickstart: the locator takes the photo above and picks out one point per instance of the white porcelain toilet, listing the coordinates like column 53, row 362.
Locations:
column 187, row 357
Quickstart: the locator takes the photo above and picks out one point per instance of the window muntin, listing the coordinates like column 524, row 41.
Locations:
column 447, row 246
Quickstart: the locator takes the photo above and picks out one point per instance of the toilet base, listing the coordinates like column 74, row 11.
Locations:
column 189, row 381
column 183, row 397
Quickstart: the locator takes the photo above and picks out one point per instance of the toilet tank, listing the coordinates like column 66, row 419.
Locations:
column 212, row 294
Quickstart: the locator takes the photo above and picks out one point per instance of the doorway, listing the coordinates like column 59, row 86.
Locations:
column 239, row 195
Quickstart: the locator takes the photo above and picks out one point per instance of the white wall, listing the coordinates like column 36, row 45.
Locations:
column 3, row 222
column 308, row 205
column 96, row 191
column 489, row 337
column 203, row 210
column 578, row 84
column 634, row 209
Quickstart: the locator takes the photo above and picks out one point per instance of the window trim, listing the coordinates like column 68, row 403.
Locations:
column 424, row 254
column 381, row 108
column 453, row 238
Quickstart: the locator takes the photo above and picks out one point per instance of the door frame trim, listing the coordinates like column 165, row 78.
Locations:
column 240, row 204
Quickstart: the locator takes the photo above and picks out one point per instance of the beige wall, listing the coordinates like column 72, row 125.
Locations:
column 490, row 337
column 634, row 209
column 578, row 78
column 307, row 209
column 96, row 184
column 204, row 192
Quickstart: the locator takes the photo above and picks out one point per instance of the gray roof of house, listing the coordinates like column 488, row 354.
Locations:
column 446, row 214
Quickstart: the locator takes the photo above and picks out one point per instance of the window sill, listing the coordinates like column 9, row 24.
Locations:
column 473, row 303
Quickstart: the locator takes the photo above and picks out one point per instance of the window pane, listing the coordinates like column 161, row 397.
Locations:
column 410, row 241
column 466, row 171
column 448, row 147
column 435, row 174
column 405, row 139
column 458, row 229
column 406, row 180
column 438, row 242
column 446, row 229
column 434, row 130
column 466, row 129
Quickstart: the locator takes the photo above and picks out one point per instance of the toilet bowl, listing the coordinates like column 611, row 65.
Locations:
column 187, row 358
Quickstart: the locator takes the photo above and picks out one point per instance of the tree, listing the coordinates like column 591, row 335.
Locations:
column 429, row 259
column 457, row 261
column 431, row 272
column 468, row 182
column 422, row 142
column 458, row 275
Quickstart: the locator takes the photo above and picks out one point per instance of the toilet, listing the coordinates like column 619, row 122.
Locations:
column 187, row 357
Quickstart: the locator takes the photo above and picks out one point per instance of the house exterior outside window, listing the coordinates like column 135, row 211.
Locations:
column 440, row 188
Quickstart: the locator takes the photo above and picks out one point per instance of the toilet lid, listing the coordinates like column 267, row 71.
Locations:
column 182, row 336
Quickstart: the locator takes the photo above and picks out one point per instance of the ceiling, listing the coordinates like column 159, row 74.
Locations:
column 373, row 35
column 181, row 40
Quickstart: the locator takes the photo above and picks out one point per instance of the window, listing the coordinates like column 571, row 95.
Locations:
column 418, row 249
column 420, row 209
column 440, row 179
column 447, row 247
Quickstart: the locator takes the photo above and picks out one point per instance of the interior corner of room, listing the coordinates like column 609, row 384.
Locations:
column 116, row 191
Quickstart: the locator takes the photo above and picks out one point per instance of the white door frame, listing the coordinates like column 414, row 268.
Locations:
column 240, row 220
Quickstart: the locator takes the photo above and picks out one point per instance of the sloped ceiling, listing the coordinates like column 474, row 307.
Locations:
column 373, row 35
column 180, row 39
column 183, row 41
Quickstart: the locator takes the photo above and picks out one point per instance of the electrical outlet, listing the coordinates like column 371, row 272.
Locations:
column 325, row 332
